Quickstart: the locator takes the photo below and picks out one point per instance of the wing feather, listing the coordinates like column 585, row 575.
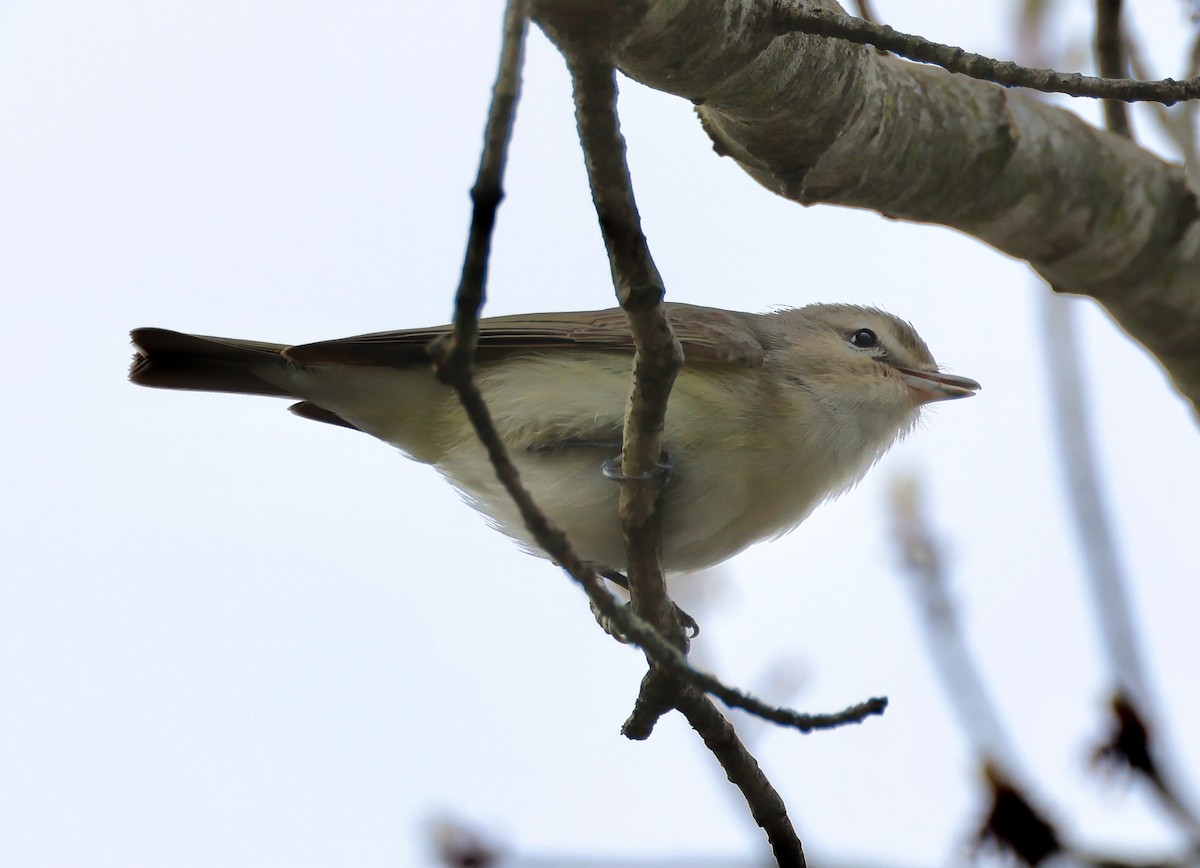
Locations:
column 707, row 335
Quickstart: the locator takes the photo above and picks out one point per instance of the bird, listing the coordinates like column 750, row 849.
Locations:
column 770, row 415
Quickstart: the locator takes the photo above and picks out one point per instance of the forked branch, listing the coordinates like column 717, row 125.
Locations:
column 454, row 364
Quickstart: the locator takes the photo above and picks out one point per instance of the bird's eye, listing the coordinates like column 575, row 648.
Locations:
column 864, row 338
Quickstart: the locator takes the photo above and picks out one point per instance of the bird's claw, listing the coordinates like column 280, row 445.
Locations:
column 690, row 625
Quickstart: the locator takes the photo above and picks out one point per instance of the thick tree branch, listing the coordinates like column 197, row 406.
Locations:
column 823, row 120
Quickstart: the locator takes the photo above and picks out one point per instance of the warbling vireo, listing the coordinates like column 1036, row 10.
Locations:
column 770, row 415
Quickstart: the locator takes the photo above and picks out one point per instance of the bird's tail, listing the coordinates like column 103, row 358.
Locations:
column 173, row 360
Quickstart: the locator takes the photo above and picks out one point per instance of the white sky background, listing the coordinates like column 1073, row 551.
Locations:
column 229, row 636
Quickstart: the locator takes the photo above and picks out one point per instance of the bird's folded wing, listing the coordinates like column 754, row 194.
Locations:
column 706, row 334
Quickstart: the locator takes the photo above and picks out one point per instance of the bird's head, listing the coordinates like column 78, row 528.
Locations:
column 864, row 366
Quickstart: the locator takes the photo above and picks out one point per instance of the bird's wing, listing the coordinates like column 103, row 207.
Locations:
column 707, row 335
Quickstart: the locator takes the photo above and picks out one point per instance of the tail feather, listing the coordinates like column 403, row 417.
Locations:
column 173, row 360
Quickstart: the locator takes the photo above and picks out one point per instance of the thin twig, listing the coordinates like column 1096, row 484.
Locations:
column 961, row 679
column 637, row 630
column 656, row 698
column 1095, row 533
column 865, row 11
column 640, row 291
column 1130, row 743
column 1093, row 523
column 657, row 360
column 488, row 190
column 1133, row 742
column 792, row 18
column 743, row 771
column 1110, row 60
column 451, row 369
column 658, row 356
column 1177, row 122
column 1012, row 822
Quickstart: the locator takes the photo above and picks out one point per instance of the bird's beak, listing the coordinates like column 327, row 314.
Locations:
column 934, row 386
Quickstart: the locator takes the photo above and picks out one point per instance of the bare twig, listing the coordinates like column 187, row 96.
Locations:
column 1110, row 60
column 796, row 18
column 742, row 769
column 488, row 190
column 1177, row 122
column 644, row 467
column 961, row 680
column 640, row 290
column 1012, row 822
column 448, row 359
column 638, row 631
column 865, row 11
column 1092, row 520
column 1132, row 742
column 658, row 355
column 656, row 698
column 1096, row 536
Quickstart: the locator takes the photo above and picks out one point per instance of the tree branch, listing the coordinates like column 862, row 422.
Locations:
column 1104, row 571
column 804, row 18
column 1110, row 60
column 487, row 193
column 658, row 355
column 1011, row 822
column 1178, row 123
column 454, row 367
column 821, row 120
column 743, row 771
column 928, row 585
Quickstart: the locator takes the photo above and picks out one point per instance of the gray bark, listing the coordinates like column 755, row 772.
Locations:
column 821, row 120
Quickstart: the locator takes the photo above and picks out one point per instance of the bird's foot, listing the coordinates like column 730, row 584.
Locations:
column 690, row 625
